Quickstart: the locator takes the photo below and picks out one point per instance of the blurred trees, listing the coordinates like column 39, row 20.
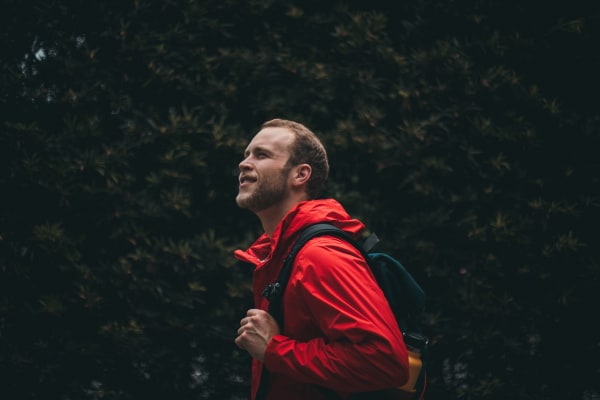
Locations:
column 462, row 133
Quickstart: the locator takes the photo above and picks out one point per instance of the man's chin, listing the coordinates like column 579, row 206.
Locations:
column 240, row 202
column 244, row 202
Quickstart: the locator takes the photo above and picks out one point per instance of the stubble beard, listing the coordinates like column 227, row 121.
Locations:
column 264, row 194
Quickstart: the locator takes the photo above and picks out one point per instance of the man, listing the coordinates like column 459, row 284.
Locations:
column 339, row 335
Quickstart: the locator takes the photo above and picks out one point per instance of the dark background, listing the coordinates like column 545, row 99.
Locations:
column 465, row 133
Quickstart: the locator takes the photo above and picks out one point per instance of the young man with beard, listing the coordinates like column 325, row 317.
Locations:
column 339, row 335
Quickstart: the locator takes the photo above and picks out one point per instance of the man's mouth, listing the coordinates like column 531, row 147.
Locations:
column 245, row 180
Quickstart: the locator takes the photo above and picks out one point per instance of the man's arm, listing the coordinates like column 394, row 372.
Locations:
column 360, row 347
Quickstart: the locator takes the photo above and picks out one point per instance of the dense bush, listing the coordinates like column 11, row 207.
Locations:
column 461, row 132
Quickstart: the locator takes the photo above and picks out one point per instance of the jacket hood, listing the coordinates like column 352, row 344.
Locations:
column 299, row 217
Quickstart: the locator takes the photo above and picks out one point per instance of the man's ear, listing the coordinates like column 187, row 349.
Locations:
column 301, row 174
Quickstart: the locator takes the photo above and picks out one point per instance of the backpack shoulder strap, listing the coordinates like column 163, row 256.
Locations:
column 274, row 291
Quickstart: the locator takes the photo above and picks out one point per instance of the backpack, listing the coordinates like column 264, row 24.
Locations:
column 403, row 293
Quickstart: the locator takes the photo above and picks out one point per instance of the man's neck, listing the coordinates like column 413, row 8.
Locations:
column 271, row 217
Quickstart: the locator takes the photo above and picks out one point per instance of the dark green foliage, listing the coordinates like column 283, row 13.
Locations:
column 463, row 133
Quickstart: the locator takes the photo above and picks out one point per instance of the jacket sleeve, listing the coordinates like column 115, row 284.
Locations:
column 357, row 345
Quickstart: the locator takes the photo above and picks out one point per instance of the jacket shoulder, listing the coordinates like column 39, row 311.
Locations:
column 328, row 253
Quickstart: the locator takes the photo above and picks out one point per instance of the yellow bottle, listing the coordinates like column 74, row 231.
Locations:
column 415, row 344
column 414, row 369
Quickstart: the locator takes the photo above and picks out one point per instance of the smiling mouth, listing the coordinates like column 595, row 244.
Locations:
column 244, row 180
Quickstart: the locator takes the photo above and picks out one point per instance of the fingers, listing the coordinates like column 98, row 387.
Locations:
column 252, row 317
column 241, row 338
column 255, row 332
column 246, row 325
column 255, row 311
column 239, row 341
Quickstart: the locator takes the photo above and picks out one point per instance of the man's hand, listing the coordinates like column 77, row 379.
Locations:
column 255, row 333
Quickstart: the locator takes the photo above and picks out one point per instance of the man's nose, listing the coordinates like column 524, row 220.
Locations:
column 245, row 164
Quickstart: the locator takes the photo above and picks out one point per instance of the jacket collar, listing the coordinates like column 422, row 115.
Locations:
column 303, row 214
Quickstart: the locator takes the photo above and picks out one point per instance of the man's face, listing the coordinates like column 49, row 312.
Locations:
column 263, row 172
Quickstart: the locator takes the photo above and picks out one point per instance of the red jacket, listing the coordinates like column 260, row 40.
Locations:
column 339, row 331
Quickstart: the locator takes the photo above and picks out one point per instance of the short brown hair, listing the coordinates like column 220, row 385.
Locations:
column 306, row 149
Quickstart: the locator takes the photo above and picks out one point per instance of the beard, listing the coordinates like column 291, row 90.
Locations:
column 265, row 193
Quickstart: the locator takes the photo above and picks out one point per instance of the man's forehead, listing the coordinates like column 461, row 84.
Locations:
column 272, row 137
